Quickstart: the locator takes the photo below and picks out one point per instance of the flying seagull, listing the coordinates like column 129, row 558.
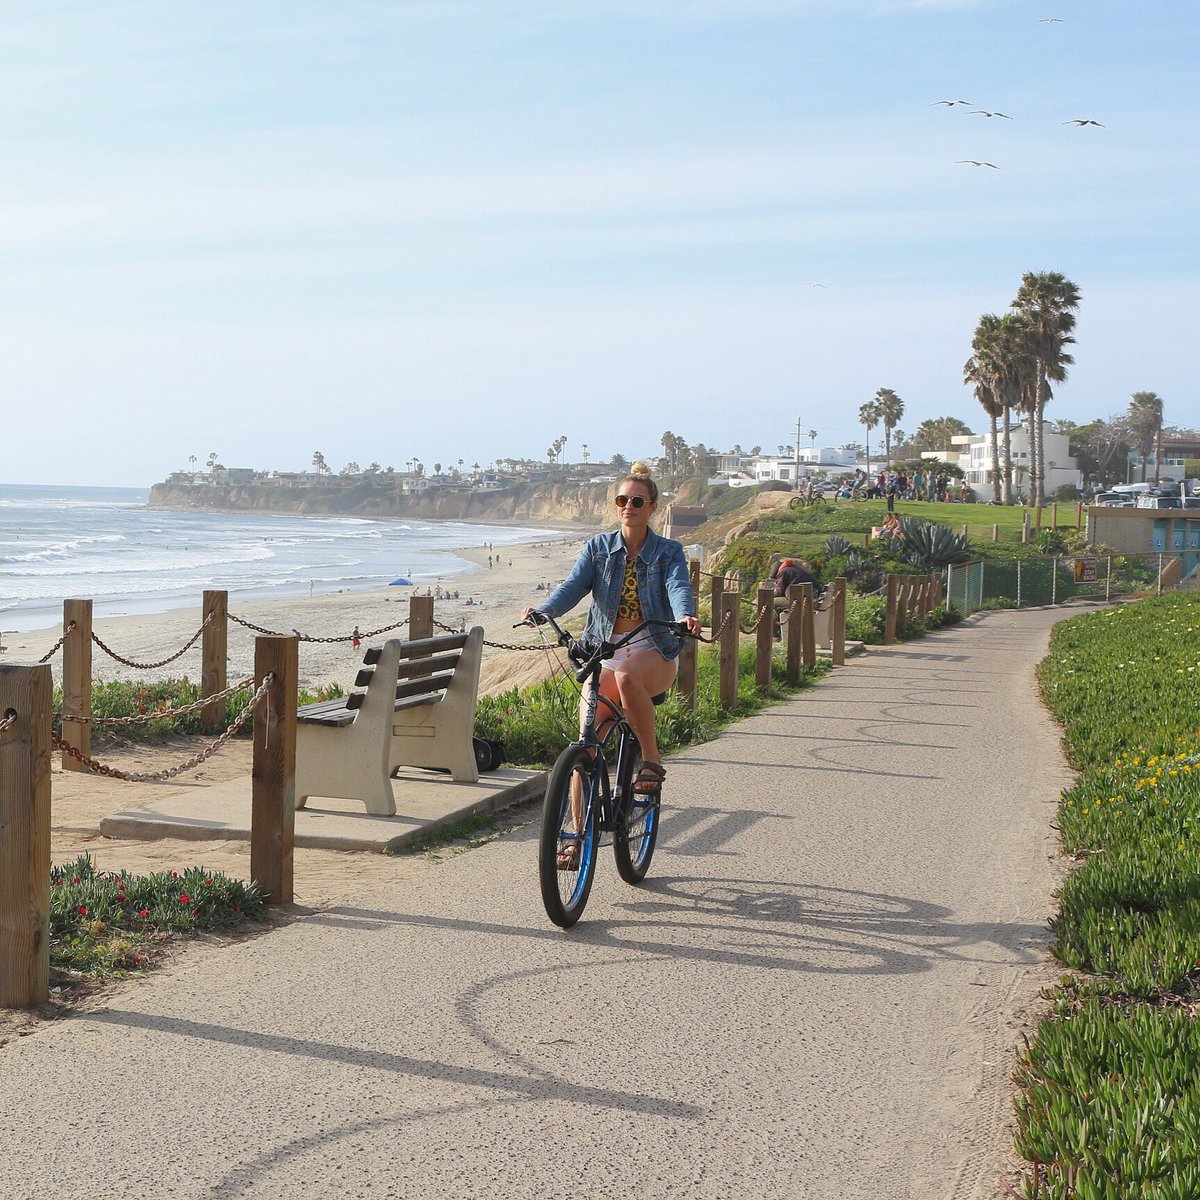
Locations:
column 1079, row 121
column 820, row 285
column 983, row 112
column 950, row 103
column 1051, row 21
column 974, row 162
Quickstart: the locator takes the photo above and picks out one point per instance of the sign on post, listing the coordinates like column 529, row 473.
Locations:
column 1085, row 570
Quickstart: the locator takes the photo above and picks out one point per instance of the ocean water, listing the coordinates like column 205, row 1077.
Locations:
column 58, row 543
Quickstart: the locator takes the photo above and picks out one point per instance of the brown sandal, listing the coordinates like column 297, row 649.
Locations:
column 568, row 856
column 649, row 779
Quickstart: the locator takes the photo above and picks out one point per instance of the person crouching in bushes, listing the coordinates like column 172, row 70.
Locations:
column 788, row 572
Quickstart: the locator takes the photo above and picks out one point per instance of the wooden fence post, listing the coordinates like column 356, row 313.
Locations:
column 839, row 622
column 685, row 683
column 903, row 599
column 26, row 694
column 731, row 606
column 808, row 628
column 795, row 628
column 77, row 680
column 1054, row 515
column 273, row 807
column 1037, row 514
column 214, row 658
column 995, row 533
column 1078, row 514
column 1025, row 526
column 420, row 617
column 764, row 636
column 716, row 591
column 893, row 599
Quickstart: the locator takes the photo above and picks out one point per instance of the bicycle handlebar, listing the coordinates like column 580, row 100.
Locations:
column 574, row 648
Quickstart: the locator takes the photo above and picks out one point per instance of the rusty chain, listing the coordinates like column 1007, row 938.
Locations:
column 304, row 637
column 492, row 645
column 70, row 629
column 99, row 768
column 162, row 715
column 137, row 666
column 762, row 612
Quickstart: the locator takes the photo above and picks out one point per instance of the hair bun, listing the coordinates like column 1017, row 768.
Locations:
column 640, row 469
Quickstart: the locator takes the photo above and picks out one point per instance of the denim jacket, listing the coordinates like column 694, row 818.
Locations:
column 664, row 589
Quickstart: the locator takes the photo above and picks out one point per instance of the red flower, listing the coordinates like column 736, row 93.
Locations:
column 184, row 898
column 208, row 881
column 174, row 874
column 83, row 910
column 143, row 912
column 137, row 958
column 235, row 908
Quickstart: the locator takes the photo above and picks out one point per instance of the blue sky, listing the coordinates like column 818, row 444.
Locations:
column 455, row 229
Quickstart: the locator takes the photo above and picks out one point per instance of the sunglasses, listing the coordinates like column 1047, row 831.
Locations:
column 636, row 501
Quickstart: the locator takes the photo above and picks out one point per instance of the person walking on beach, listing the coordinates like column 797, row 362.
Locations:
column 633, row 574
column 355, row 639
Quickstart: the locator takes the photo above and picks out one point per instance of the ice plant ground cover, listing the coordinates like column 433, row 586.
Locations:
column 104, row 924
column 1109, row 1101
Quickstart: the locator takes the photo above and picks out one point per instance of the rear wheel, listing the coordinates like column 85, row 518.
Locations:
column 568, row 838
column 637, row 827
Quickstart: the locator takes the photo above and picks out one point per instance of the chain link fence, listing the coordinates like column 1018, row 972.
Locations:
column 1029, row 583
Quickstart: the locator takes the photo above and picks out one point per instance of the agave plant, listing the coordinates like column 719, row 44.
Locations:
column 928, row 545
column 837, row 546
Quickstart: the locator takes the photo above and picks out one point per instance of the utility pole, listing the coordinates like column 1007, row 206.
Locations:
column 796, row 488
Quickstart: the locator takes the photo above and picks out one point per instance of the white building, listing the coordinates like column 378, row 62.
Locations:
column 973, row 453
column 761, row 468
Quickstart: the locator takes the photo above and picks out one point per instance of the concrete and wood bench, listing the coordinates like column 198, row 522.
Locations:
column 416, row 708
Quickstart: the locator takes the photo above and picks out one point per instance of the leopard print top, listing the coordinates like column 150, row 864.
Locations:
column 630, row 607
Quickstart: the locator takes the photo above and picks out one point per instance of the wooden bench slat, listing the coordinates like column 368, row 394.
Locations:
column 363, row 678
column 322, row 706
column 372, row 655
column 423, row 686
column 414, row 702
column 427, row 666
column 423, row 647
column 340, row 718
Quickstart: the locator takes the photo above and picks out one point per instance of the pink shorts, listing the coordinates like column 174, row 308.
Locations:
column 640, row 645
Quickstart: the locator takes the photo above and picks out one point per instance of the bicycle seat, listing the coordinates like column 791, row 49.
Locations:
column 657, row 700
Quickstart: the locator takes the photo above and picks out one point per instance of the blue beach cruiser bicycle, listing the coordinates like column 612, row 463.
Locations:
column 590, row 791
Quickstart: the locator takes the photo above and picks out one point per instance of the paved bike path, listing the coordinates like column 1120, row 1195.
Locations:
column 813, row 994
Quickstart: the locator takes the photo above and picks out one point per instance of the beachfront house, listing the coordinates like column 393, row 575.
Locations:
column 973, row 453
column 1168, row 463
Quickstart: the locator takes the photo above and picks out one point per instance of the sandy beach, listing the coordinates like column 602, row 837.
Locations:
column 322, row 876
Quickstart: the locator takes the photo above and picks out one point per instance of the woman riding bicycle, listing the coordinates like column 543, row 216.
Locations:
column 633, row 574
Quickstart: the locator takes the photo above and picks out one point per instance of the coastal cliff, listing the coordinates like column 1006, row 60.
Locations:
column 569, row 502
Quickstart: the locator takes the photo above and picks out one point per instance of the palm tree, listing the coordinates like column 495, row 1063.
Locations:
column 868, row 418
column 1048, row 301
column 583, row 449
column 192, row 462
column 1145, row 424
column 986, row 369
column 318, row 461
column 890, row 408
column 212, row 460
column 812, row 439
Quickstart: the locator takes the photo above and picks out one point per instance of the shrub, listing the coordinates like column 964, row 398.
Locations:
column 103, row 923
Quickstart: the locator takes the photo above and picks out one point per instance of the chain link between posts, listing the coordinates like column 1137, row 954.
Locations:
column 7, row 721
column 137, row 666
column 70, row 629
column 99, row 768
column 304, row 637
column 165, row 714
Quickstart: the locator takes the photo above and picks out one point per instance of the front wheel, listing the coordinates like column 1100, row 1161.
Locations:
column 567, row 846
column 637, row 828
